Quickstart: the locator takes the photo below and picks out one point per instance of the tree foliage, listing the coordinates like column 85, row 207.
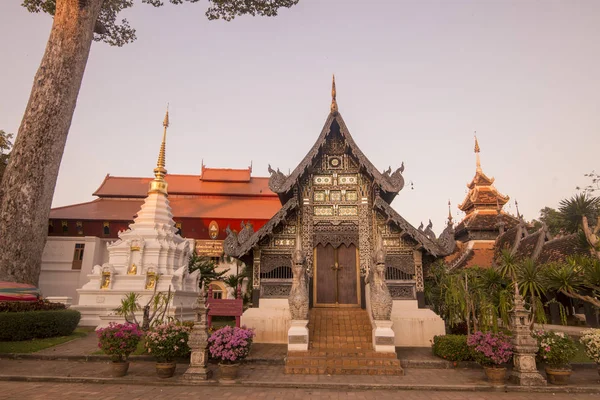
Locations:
column 579, row 205
column 118, row 32
column 594, row 186
column 207, row 268
column 5, row 145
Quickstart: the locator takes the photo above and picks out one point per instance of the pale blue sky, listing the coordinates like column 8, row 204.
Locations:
column 414, row 80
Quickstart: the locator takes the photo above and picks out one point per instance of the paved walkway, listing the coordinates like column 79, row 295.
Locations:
column 65, row 373
column 51, row 391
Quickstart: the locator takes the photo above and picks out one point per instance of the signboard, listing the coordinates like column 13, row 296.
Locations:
column 209, row 248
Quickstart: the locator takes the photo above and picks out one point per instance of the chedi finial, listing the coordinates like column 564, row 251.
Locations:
column 159, row 184
column 477, row 150
column 334, row 106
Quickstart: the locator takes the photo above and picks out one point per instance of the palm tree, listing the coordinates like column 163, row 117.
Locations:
column 572, row 210
column 577, row 278
column 530, row 278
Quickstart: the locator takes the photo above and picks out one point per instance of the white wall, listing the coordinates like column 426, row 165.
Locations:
column 57, row 278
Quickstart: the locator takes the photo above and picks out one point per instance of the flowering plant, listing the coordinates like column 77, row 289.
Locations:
column 119, row 340
column 591, row 341
column 168, row 341
column 490, row 349
column 230, row 345
column 554, row 348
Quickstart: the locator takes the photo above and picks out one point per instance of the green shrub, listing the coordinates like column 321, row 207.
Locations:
column 452, row 348
column 39, row 305
column 37, row 324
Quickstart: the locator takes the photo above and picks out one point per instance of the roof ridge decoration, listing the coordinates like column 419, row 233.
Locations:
column 159, row 184
column 438, row 247
column 334, row 106
column 389, row 182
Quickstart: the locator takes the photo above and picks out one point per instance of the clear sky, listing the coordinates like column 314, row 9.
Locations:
column 414, row 80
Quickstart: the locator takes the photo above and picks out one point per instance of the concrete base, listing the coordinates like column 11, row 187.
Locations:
column 298, row 335
column 383, row 336
column 271, row 321
column 414, row 326
column 524, row 372
column 97, row 307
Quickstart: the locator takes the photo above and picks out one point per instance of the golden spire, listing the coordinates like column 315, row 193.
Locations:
column 449, row 213
column 334, row 107
column 159, row 184
column 477, row 150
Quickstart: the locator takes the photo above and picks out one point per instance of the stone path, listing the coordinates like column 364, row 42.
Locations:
column 50, row 391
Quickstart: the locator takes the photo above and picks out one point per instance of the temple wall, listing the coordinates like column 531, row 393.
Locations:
column 414, row 326
column 271, row 320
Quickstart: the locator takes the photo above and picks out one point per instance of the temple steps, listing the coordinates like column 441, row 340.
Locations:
column 340, row 343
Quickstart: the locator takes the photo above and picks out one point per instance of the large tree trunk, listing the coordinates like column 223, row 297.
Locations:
column 28, row 184
column 591, row 236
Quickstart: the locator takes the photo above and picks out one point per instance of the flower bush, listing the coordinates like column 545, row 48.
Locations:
column 119, row 340
column 591, row 341
column 168, row 341
column 452, row 348
column 230, row 345
column 490, row 349
column 554, row 348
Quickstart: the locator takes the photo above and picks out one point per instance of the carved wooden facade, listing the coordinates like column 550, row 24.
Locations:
column 336, row 197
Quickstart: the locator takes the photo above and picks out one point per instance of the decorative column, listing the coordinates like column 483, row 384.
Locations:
column 420, row 285
column 298, row 302
column 255, row 277
column 524, row 372
column 198, row 342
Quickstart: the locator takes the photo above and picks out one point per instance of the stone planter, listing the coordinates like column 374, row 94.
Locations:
column 165, row 369
column 228, row 372
column 495, row 375
column 119, row 368
column 558, row 376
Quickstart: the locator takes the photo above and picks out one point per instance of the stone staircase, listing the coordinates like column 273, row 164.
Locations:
column 340, row 343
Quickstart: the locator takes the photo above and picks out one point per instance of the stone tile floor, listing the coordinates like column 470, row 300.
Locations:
column 65, row 391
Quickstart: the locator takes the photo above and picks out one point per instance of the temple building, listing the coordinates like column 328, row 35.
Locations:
column 484, row 221
column 334, row 226
column 203, row 206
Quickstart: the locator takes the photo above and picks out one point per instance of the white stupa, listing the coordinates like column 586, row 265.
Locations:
column 149, row 255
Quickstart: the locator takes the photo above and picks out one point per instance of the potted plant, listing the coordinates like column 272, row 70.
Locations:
column 491, row 350
column 118, row 341
column 229, row 345
column 591, row 342
column 555, row 349
column 166, row 342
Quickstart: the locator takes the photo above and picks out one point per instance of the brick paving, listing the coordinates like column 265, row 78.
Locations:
column 51, row 391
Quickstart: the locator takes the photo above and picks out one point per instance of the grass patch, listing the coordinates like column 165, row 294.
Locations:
column 31, row 346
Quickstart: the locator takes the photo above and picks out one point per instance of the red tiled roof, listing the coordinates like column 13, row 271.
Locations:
column 182, row 207
column 114, row 186
column 225, row 175
column 481, row 254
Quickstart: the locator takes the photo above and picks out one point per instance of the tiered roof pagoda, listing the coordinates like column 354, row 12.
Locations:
column 483, row 207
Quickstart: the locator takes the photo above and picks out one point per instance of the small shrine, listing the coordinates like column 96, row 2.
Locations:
column 148, row 258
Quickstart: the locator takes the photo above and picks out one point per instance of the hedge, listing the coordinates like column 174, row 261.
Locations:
column 40, row 305
column 37, row 324
column 452, row 348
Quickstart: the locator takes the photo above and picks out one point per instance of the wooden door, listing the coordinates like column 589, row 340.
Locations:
column 325, row 275
column 336, row 276
column 347, row 275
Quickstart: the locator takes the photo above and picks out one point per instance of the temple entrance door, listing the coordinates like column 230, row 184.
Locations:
column 336, row 276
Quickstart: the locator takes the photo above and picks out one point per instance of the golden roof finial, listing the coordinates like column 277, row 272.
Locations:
column 449, row 213
column 334, row 106
column 477, row 150
column 159, row 184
